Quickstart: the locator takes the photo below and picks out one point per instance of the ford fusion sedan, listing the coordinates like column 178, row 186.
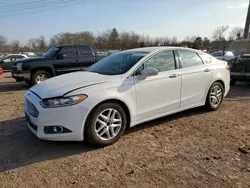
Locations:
column 124, row 90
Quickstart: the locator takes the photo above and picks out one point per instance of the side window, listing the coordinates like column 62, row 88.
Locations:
column 163, row 61
column 206, row 58
column 189, row 59
column 84, row 50
column 7, row 60
column 68, row 51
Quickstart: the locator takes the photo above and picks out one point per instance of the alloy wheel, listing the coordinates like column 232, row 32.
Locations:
column 108, row 124
column 216, row 96
column 40, row 78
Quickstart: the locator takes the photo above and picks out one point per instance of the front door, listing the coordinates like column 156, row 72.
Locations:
column 158, row 95
column 196, row 78
column 67, row 61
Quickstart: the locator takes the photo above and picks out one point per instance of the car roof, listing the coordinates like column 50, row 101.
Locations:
column 16, row 55
column 160, row 48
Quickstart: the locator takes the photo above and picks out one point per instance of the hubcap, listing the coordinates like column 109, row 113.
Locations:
column 108, row 124
column 40, row 78
column 216, row 96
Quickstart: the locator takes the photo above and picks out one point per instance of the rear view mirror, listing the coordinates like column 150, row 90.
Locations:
column 148, row 71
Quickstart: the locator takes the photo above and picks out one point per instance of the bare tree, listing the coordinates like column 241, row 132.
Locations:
column 190, row 39
column 236, row 33
column 41, row 42
column 3, row 42
column 174, row 41
column 15, row 46
column 219, row 33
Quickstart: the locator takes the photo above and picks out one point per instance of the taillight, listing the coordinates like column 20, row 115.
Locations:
column 228, row 67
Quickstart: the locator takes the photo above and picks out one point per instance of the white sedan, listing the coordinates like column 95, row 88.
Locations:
column 124, row 90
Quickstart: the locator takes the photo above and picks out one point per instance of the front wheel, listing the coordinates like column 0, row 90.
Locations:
column 106, row 124
column 39, row 76
column 215, row 96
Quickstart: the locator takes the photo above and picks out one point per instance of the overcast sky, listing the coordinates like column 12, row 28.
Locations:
column 179, row 18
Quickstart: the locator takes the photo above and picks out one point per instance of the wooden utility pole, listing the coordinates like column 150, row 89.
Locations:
column 246, row 32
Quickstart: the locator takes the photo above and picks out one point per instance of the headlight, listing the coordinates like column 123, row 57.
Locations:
column 19, row 66
column 62, row 101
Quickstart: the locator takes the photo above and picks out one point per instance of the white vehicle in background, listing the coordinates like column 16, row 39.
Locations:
column 226, row 55
column 123, row 90
column 6, row 61
column 29, row 54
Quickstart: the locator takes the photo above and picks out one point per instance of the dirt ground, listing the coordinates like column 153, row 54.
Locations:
column 194, row 148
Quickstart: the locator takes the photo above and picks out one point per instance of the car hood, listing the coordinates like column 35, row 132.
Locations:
column 64, row 84
column 31, row 59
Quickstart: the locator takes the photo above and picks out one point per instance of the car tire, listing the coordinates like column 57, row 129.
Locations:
column 232, row 82
column 39, row 75
column 215, row 96
column 94, row 128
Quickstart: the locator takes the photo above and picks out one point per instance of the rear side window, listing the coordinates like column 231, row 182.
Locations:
column 68, row 52
column 84, row 50
column 189, row 59
column 206, row 58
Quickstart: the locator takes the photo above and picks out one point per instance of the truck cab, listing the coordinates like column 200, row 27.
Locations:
column 56, row 61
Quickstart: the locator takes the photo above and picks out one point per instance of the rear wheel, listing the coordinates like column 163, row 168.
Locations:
column 215, row 96
column 106, row 124
column 39, row 76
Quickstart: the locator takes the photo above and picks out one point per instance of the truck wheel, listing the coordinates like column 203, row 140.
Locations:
column 39, row 76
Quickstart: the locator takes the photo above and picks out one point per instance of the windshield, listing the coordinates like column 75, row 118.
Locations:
column 52, row 52
column 117, row 63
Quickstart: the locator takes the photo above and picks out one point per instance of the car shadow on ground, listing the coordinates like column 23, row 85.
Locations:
column 239, row 92
column 13, row 86
column 167, row 119
column 19, row 147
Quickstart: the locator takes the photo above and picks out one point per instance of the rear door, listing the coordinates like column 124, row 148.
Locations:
column 68, row 62
column 86, row 56
column 195, row 76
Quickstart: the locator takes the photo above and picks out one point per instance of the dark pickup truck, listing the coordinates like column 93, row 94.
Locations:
column 240, row 68
column 56, row 61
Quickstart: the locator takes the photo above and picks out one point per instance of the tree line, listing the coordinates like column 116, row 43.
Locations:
column 112, row 39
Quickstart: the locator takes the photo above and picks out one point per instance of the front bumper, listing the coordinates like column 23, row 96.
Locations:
column 24, row 75
column 72, row 118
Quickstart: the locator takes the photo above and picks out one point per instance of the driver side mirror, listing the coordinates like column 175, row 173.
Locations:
column 147, row 72
column 60, row 56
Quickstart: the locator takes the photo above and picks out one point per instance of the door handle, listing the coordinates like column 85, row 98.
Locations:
column 207, row 70
column 174, row 75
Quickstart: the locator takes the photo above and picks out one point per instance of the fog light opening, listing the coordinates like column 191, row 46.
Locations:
column 58, row 129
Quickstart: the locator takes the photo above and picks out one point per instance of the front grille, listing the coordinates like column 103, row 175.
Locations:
column 31, row 108
column 33, row 126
